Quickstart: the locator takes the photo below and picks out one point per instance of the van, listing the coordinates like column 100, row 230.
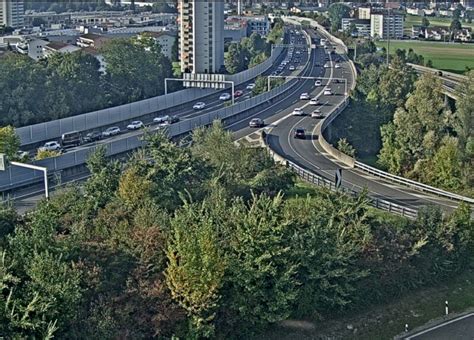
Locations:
column 73, row 138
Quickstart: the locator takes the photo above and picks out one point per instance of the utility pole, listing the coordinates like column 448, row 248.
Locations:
column 388, row 37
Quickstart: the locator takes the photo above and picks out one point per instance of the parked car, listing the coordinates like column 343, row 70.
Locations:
column 291, row 68
column 317, row 114
column 256, row 123
column 304, row 96
column 199, row 106
column 135, row 125
column 51, row 146
column 92, row 137
column 225, row 96
column 251, row 86
column 161, row 119
column 73, row 138
column 299, row 133
column 111, row 131
column 314, row 101
column 298, row 112
column 327, row 65
column 327, row 91
column 238, row 93
column 317, row 83
column 337, row 66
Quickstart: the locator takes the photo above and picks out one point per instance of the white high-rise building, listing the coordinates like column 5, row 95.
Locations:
column 386, row 25
column 12, row 13
column 201, row 39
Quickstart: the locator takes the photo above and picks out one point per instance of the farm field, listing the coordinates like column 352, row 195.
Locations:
column 445, row 56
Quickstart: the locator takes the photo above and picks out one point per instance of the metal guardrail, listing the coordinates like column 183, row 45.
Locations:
column 412, row 184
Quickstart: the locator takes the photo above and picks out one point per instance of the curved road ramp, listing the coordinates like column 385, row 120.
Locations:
column 453, row 327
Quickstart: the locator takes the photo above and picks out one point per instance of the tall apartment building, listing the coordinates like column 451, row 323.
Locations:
column 386, row 25
column 201, row 39
column 12, row 13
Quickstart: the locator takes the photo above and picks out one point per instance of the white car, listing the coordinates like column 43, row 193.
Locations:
column 225, row 96
column 327, row 65
column 160, row 120
column 51, row 146
column 298, row 112
column 304, row 96
column 317, row 83
column 327, row 92
column 337, row 66
column 314, row 101
column 135, row 125
column 317, row 114
column 111, row 131
column 291, row 68
column 199, row 106
column 251, row 86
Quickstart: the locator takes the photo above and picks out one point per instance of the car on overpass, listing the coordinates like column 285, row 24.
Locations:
column 304, row 96
column 251, row 86
column 317, row 114
column 298, row 111
column 135, row 125
column 111, row 131
column 314, row 101
column 225, row 96
column 327, row 91
column 161, row 119
column 51, row 146
column 317, row 83
column 199, row 106
column 299, row 133
column 238, row 93
column 92, row 136
column 256, row 123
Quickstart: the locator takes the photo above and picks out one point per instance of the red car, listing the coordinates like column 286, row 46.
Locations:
column 238, row 93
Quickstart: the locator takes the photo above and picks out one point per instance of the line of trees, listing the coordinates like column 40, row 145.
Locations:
column 209, row 241
column 64, row 85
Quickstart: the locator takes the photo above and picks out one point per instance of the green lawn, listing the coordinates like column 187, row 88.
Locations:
column 411, row 20
column 445, row 56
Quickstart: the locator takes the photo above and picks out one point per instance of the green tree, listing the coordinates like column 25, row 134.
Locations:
column 345, row 147
column 425, row 22
column 43, row 154
column 196, row 267
column 9, row 142
column 235, row 60
column 336, row 12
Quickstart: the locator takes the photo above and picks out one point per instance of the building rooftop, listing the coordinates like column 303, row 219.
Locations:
column 57, row 45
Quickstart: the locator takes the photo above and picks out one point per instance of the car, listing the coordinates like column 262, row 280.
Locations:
column 22, row 155
column 135, row 125
column 111, row 131
column 291, row 68
column 298, row 112
column 51, row 146
column 92, row 136
column 327, row 91
column 317, row 114
column 161, row 119
column 251, row 86
column 72, row 138
column 238, row 93
column 225, row 96
column 337, row 66
column 299, row 133
column 317, row 83
column 173, row 119
column 314, row 101
column 199, row 106
column 327, row 65
column 304, row 96
column 256, row 123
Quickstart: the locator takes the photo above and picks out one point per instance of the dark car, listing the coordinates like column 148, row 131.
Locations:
column 256, row 123
column 92, row 136
column 173, row 119
column 300, row 133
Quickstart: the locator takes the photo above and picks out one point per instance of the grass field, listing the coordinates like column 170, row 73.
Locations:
column 411, row 20
column 445, row 56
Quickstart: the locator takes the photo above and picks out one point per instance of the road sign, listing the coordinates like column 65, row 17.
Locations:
column 204, row 80
column 3, row 162
column 338, row 180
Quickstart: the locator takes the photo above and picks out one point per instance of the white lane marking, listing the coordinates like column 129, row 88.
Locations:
column 440, row 325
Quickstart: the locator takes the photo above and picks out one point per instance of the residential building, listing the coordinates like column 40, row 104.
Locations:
column 364, row 13
column 464, row 34
column 91, row 40
column 57, row 47
column 417, row 31
column 12, row 13
column 386, row 25
column 47, row 18
column 235, row 29
column 32, row 47
column 259, row 24
column 201, row 41
column 435, row 33
column 166, row 39
column 362, row 26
